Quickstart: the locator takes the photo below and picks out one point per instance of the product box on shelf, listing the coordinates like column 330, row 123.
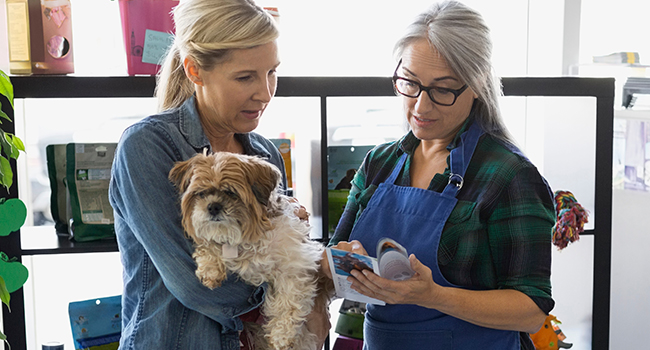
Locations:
column 284, row 146
column 342, row 165
column 79, row 176
column 147, row 29
column 40, row 36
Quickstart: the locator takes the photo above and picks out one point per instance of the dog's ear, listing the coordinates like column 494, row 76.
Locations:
column 181, row 173
column 266, row 178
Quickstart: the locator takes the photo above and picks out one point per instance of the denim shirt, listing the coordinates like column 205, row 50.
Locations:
column 164, row 305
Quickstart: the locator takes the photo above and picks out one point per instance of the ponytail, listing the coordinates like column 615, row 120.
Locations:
column 172, row 85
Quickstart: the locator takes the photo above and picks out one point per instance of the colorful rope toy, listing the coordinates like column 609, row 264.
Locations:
column 571, row 219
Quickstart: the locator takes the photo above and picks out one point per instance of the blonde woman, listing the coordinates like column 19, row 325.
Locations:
column 215, row 83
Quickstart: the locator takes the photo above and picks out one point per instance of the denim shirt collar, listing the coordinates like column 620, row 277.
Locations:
column 190, row 124
column 191, row 128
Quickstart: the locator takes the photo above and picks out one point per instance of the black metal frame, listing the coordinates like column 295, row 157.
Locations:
column 323, row 87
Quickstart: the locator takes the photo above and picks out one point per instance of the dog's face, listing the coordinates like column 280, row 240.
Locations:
column 224, row 196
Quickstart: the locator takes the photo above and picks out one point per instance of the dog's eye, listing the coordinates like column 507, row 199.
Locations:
column 203, row 194
column 230, row 194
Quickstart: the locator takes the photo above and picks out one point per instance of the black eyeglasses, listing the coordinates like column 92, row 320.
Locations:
column 413, row 89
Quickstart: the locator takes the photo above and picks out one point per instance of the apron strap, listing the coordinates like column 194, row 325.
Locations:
column 459, row 158
column 396, row 170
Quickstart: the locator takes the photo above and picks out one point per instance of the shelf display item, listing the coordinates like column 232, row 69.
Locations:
column 634, row 86
column 40, row 36
column 88, row 174
column 550, row 336
column 96, row 323
column 147, row 29
column 342, row 165
column 59, row 197
column 349, row 326
column 571, row 219
column 284, row 146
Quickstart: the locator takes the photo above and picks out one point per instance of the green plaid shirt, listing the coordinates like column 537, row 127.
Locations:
column 499, row 234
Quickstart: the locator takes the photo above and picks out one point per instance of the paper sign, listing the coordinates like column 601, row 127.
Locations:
column 155, row 46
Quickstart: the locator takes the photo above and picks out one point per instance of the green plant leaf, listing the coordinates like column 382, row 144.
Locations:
column 6, row 175
column 4, row 293
column 15, row 152
column 4, row 337
column 4, row 115
column 17, row 142
column 6, row 88
column 5, row 146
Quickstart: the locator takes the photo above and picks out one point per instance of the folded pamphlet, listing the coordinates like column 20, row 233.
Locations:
column 392, row 263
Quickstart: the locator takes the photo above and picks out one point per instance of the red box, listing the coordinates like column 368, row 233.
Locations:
column 146, row 25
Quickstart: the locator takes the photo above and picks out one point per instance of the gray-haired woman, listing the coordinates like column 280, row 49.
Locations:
column 217, row 80
column 459, row 195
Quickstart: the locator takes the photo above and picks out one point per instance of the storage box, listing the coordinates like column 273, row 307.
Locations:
column 147, row 29
column 40, row 36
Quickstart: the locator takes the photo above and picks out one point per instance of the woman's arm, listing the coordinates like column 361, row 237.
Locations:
column 506, row 309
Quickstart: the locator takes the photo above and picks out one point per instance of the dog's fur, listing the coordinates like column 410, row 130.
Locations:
column 233, row 199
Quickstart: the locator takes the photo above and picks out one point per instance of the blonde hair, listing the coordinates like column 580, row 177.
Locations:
column 206, row 31
column 462, row 37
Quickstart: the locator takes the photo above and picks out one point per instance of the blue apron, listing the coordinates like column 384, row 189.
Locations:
column 415, row 218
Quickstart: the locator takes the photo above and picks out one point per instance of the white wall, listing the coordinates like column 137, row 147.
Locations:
column 630, row 270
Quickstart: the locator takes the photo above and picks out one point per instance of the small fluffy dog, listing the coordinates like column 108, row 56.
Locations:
column 232, row 210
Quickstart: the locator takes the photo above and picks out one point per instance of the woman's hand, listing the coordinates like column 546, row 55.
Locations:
column 506, row 309
column 301, row 212
column 352, row 246
column 418, row 290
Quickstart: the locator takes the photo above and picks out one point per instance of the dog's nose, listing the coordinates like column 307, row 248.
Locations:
column 214, row 208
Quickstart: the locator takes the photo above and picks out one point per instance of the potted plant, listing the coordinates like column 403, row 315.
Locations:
column 13, row 212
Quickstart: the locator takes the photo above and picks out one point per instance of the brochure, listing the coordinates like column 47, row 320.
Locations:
column 393, row 260
column 392, row 263
column 341, row 263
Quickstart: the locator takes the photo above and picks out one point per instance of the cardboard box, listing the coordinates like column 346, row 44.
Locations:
column 40, row 36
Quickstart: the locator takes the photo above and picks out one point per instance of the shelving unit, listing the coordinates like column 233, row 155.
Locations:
column 44, row 241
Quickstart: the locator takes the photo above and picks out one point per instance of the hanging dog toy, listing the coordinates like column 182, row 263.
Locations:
column 571, row 219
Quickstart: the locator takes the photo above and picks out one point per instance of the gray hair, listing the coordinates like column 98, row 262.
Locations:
column 206, row 31
column 461, row 36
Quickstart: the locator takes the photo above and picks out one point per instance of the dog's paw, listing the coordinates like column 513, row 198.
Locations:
column 283, row 346
column 211, row 284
